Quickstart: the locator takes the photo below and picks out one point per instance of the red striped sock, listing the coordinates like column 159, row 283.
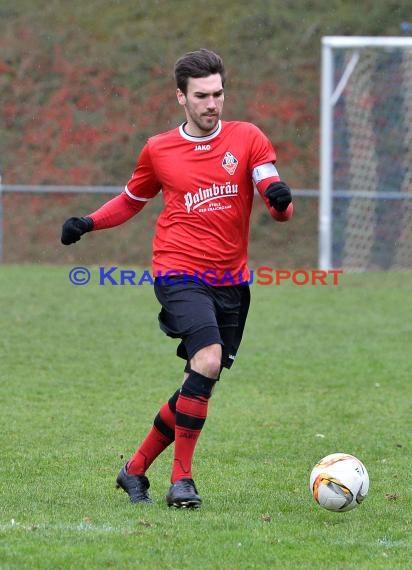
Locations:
column 157, row 440
column 191, row 413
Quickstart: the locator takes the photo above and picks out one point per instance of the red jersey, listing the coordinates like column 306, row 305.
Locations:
column 208, row 193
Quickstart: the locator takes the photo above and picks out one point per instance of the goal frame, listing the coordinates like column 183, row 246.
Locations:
column 329, row 96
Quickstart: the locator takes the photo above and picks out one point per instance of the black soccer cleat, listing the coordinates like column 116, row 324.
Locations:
column 136, row 486
column 183, row 495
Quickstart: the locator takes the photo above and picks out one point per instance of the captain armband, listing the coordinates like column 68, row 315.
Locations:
column 267, row 170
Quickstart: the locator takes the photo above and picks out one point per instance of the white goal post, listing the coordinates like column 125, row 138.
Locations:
column 365, row 202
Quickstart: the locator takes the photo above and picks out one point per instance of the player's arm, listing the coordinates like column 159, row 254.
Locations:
column 275, row 193
column 139, row 190
column 111, row 214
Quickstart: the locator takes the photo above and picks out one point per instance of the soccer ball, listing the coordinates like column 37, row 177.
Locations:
column 339, row 482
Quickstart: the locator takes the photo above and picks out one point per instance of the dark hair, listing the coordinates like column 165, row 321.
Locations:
column 201, row 63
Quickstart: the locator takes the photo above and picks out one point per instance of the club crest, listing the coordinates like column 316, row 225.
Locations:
column 230, row 163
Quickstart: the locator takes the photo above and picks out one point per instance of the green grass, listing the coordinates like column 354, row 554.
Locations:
column 321, row 369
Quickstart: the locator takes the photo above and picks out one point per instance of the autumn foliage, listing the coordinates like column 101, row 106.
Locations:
column 72, row 118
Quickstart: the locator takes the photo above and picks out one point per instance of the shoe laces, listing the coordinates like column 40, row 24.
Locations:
column 187, row 485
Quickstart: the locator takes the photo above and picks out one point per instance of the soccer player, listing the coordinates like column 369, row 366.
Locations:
column 207, row 170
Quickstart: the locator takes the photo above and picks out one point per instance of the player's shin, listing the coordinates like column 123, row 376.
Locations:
column 157, row 440
column 191, row 413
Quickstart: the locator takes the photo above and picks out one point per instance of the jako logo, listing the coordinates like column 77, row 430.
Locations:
column 203, row 147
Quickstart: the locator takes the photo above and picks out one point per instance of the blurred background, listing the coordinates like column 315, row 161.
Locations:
column 83, row 84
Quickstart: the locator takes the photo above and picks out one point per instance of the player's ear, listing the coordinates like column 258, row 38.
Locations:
column 181, row 97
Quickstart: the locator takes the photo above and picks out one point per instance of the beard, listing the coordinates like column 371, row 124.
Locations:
column 206, row 122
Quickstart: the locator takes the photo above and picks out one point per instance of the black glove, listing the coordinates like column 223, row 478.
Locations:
column 279, row 195
column 74, row 228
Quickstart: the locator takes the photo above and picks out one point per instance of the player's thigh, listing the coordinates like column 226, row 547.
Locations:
column 231, row 316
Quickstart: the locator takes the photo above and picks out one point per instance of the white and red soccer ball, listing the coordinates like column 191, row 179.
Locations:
column 339, row 482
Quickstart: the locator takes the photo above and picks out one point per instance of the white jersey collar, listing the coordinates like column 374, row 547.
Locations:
column 200, row 139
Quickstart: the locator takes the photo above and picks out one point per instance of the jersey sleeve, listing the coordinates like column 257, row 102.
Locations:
column 115, row 212
column 143, row 185
column 262, row 165
column 261, row 149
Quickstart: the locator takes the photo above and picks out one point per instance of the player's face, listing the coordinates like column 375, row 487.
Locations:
column 203, row 104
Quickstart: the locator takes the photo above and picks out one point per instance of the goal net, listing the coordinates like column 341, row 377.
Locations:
column 365, row 207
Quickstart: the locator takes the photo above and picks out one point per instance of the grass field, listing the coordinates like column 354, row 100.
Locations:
column 84, row 369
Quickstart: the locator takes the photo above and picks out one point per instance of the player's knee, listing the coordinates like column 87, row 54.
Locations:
column 207, row 361
column 198, row 385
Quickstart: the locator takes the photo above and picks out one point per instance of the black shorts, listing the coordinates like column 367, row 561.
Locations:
column 202, row 314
